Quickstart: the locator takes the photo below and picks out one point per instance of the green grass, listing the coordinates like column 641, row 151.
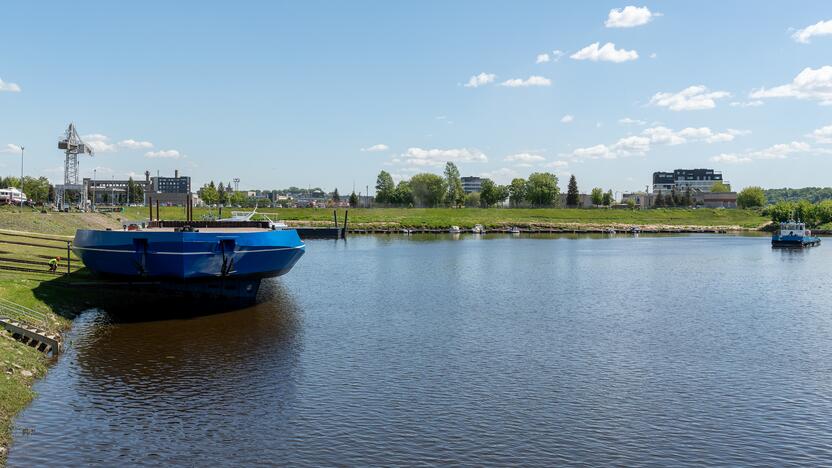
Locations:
column 493, row 217
column 37, row 290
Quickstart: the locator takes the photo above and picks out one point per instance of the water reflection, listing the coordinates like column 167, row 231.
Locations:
column 198, row 375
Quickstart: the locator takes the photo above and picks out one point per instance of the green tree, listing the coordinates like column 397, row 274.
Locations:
column 751, row 197
column 517, row 191
column 336, row 197
column 429, row 190
column 385, row 188
column 631, row 204
column 608, row 197
column 221, row 195
column 597, row 196
column 542, row 189
column 472, row 200
column 491, row 193
column 456, row 196
column 572, row 194
column 403, row 195
column 720, row 187
column 670, row 199
column 208, row 194
column 658, row 200
column 37, row 190
column 353, row 200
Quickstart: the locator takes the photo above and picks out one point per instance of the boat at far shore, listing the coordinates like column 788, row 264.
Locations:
column 794, row 234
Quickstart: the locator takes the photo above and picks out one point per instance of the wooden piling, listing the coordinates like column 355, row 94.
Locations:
column 150, row 205
column 335, row 217
column 344, row 232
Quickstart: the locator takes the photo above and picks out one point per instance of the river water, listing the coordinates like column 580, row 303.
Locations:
column 676, row 350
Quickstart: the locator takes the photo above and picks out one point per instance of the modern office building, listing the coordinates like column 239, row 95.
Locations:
column 698, row 180
column 175, row 184
column 471, row 184
column 114, row 191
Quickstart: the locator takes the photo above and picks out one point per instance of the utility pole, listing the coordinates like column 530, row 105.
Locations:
column 93, row 189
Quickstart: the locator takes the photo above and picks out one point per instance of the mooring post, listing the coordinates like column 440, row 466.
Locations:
column 150, row 205
column 344, row 232
column 157, row 210
column 335, row 217
column 68, row 258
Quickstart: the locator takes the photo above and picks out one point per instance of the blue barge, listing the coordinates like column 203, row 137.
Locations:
column 186, row 258
column 794, row 234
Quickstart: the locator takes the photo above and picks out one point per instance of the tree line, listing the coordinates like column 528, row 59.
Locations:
column 813, row 214
column 37, row 190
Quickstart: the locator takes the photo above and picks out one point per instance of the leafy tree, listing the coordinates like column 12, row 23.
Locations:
column 472, row 200
column 597, row 196
column 687, row 199
column 607, row 199
column 428, row 189
column 517, row 191
column 353, row 200
column 491, row 193
column 572, row 195
column 542, row 189
column 658, row 200
column 720, row 187
column 336, row 197
column 385, row 188
column 812, row 194
column 37, row 190
column 631, row 204
column 670, row 199
column 404, row 194
column 751, row 197
column 221, row 195
column 456, row 196
column 209, row 194
column 238, row 198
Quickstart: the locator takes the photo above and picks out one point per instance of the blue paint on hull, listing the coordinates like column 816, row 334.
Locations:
column 794, row 241
column 189, row 255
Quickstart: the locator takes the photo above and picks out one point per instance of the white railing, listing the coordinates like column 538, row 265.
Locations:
column 12, row 310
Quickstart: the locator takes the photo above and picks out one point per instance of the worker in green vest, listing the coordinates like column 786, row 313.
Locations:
column 53, row 264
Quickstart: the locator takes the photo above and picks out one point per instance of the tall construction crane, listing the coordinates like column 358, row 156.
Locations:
column 72, row 146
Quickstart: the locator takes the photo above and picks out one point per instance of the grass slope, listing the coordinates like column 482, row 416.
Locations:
column 493, row 217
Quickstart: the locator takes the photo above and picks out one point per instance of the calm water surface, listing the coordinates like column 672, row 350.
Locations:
column 492, row 351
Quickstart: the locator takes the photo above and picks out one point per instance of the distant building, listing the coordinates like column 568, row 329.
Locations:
column 173, row 184
column 584, row 200
column 716, row 199
column 471, row 184
column 680, row 180
column 642, row 200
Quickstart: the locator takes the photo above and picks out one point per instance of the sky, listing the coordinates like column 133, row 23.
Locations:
column 327, row 94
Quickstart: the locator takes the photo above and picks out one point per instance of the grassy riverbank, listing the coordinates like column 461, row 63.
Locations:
column 494, row 217
column 37, row 289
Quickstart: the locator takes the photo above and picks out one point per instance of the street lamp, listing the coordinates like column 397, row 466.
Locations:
column 93, row 189
column 21, row 174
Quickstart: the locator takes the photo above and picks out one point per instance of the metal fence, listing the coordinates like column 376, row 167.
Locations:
column 11, row 310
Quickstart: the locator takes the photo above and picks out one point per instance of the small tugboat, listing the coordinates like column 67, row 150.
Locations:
column 794, row 234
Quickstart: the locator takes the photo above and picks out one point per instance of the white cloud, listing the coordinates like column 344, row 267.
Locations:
column 567, row 118
column 821, row 28
column 691, row 98
column 663, row 135
column 557, row 164
column 542, row 58
column 653, row 55
column 376, row 148
column 480, row 80
column 779, row 151
column 438, row 157
column 533, row 80
column 500, row 176
column 594, row 152
column 524, row 158
column 168, row 154
column 629, row 17
column 10, row 87
column 134, row 144
column 667, row 136
column 557, row 54
column 606, row 53
column 632, row 145
column 821, row 135
column 730, row 158
column 629, row 121
column 812, row 84
column 10, row 148
column 754, row 103
column 99, row 143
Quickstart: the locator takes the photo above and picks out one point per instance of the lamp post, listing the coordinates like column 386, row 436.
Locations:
column 93, row 189
column 21, row 174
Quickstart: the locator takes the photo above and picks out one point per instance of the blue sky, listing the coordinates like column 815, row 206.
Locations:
column 330, row 93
